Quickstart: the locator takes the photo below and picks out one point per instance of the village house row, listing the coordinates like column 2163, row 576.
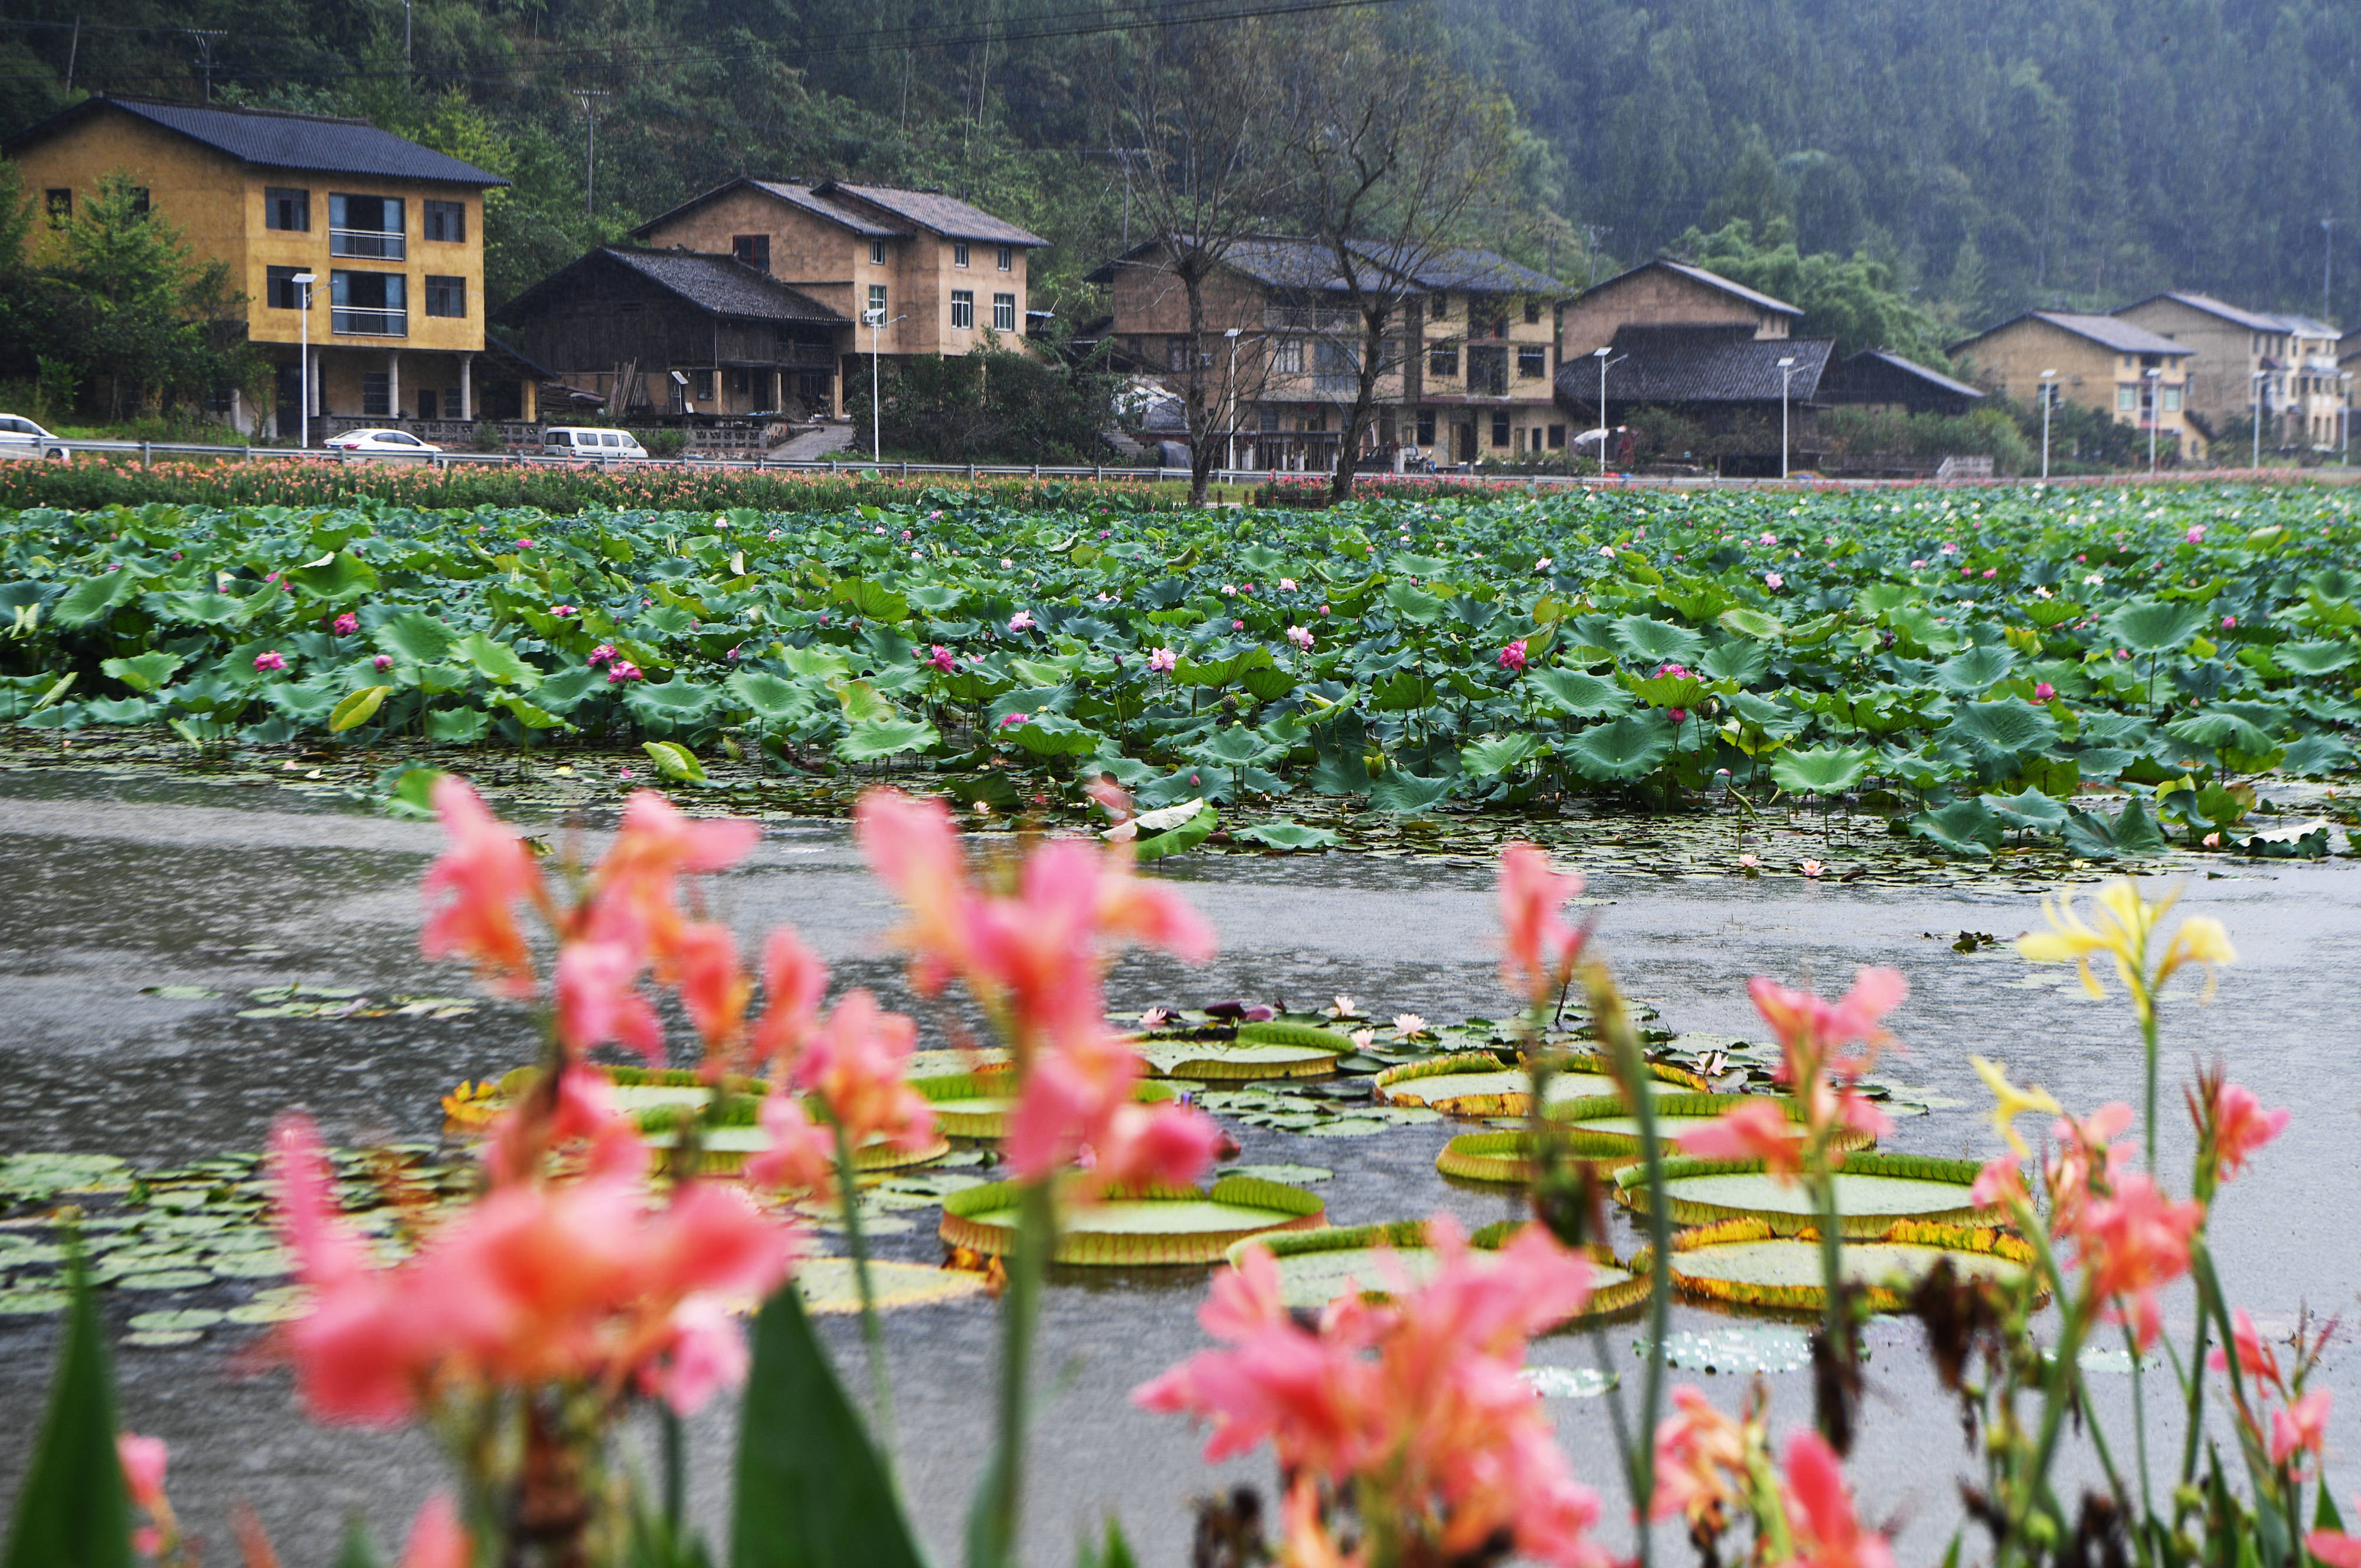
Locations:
column 359, row 255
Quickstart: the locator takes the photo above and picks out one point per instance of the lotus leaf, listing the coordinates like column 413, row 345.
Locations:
column 1823, row 771
column 1629, row 748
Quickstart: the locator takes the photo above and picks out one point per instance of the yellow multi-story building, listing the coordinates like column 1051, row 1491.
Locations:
column 389, row 234
column 2132, row 375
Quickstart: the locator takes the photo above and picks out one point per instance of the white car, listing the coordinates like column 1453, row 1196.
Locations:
column 388, row 441
column 20, row 437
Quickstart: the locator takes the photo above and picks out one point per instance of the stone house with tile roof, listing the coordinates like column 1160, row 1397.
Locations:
column 1720, row 378
column 2102, row 362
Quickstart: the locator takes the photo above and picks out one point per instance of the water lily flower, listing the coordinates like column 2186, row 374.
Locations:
column 1408, row 1025
column 382, row 662
column 1340, row 1006
column 1748, row 861
column 271, row 660
column 2043, row 691
column 1300, row 637
column 346, row 624
column 1513, row 657
column 1773, row 581
column 1021, row 621
column 1363, row 1039
column 1812, row 868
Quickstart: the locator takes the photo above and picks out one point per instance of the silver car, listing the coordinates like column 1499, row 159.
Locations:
column 20, row 437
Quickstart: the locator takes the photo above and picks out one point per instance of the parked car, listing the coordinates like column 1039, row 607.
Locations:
column 20, row 437
column 389, row 441
column 589, row 443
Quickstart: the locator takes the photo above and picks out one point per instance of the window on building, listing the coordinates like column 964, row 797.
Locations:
column 1176, row 354
column 877, row 302
column 742, row 381
column 1532, row 359
column 2127, row 399
column 958, row 253
column 1443, row 361
column 140, row 200
column 962, row 310
column 377, row 394
column 446, row 223
column 367, row 226
column 1488, row 372
column 1426, row 427
column 1556, row 437
column 370, row 304
column 428, row 402
column 1267, row 417
column 754, row 249
column 280, row 292
column 1006, row 260
column 285, row 207
column 1440, row 310
column 59, row 206
column 877, row 253
column 1500, row 429
column 1004, row 312
column 2172, row 399
column 1533, row 313
column 445, row 296
column 1288, row 357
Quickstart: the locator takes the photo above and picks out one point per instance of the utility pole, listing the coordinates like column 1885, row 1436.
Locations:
column 590, row 156
column 405, row 36
column 2049, row 401
column 204, row 36
column 2327, row 265
column 1787, row 370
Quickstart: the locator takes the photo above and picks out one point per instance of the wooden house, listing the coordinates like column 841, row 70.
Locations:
column 684, row 333
column 1721, row 378
column 1879, row 378
column 1664, row 293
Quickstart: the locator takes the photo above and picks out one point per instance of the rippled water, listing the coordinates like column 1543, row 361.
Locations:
column 115, row 885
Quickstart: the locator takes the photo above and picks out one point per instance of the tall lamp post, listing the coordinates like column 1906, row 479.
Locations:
column 877, row 323
column 2254, row 397
column 1786, row 370
column 2344, row 419
column 1606, row 357
column 2049, row 401
column 2155, row 375
column 1230, row 426
column 304, row 281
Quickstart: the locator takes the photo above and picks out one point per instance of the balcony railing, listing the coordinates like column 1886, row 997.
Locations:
column 369, row 323
column 374, row 244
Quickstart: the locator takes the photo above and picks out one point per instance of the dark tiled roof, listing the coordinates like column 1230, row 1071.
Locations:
column 1477, row 271
column 1710, row 279
column 795, row 194
column 1934, row 380
column 2252, row 320
column 270, row 139
column 2104, row 331
column 945, row 215
column 1276, row 261
column 724, row 285
column 1721, row 363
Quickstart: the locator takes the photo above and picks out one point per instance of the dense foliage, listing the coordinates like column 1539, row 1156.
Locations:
column 1977, row 656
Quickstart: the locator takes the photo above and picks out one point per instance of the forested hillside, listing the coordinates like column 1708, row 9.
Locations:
column 1988, row 156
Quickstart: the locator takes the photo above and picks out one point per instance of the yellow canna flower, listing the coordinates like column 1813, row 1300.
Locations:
column 2012, row 1103
column 2122, row 924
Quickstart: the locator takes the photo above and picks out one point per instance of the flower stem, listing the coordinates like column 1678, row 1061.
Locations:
column 1631, row 1070
column 992, row 1523
column 873, row 1333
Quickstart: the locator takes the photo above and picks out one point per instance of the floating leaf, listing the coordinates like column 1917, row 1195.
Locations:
column 1156, row 1225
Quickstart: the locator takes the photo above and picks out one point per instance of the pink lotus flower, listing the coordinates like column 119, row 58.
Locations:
column 563, row 610
column 1300, row 636
column 1678, row 715
column 1513, row 657
column 346, row 624
column 272, row 660
column 943, row 660
column 1416, row 1405
column 1237, row 626
column 1773, row 581
column 1015, row 720
column 2229, row 623
column 1674, row 672
column 2043, row 691
column 622, row 670
column 382, row 662
column 1021, row 621
column 2197, row 533
column 1539, row 946
column 601, row 654
column 1769, row 539
column 1991, row 572
column 488, row 872
column 1163, row 661
column 524, row 544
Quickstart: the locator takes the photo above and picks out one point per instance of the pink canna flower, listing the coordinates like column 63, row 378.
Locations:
column 490, row 871
column 1513, row 657
column 1756, row 1129
column 714, row 989
column 143, row 1460
column 2131, row 1243
column 347, row 623
column 1828, row 1533
column 1699, row 1453
column 795, row 980
column 2240, row 1125
column 856, row 1066
column 2301, row 1428
column 437, row 1539
column 2256, row 1359
column 801, row 1156
column 1541, row 948
column 1999, row 1184
column 271, row 660
column 2335, row 1548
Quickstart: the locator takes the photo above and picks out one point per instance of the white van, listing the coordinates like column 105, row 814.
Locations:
column 589, row 444
column 20, row 437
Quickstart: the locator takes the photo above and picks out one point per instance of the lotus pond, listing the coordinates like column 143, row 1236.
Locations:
column 2085, row 672
column 184, row 959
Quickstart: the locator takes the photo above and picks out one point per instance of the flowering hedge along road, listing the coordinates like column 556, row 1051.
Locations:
column 1966, row 660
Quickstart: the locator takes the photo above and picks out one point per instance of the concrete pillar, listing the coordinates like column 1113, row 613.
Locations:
column 532, row 405
column 467, row 387
column 394, row 382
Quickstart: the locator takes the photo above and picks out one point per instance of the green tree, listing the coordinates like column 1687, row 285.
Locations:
column 1850, row 298
column 996, row 405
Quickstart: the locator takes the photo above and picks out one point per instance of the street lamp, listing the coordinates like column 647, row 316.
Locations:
column 304, row 281
column 2257, row 377
column 2155, row 410
column 1230, row 429
column 1786, row 370
column 875, row 317
column 1601, row 353
column 2048, row 400
column 2344, row 421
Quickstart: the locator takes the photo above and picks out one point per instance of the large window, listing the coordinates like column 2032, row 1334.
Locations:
column 877, row 302
column 445, row 221
column 445, row 296
column 1442, row 360
column 962, row 310
column 285, row 207
column 1500, row 428
column 754, row 249
column 1533, row 313
column 2172, row 399
column 280, row 292
column 1004, row 312
column 377, row 394
column 367, row 226
column 2127, row 399
column 370, row 304
column 1287, row 360
column 1532, row 359
column 1488, row 372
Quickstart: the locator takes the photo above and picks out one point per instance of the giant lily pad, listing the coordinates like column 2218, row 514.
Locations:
column 1148, row 1225
column 829, row 1286
column 1504, row 1155
column 1317, row 1267
column 1610, row 1117
column 1746, row 1263
column 1874, row 1193
column 976, row 1105
column 1474, row 1084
